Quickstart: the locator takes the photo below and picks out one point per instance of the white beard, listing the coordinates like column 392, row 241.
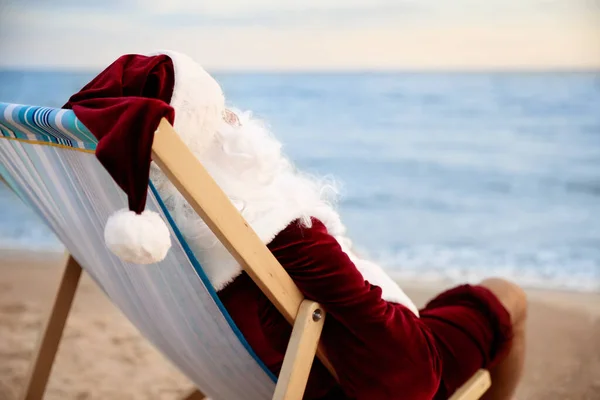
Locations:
column 247, row 163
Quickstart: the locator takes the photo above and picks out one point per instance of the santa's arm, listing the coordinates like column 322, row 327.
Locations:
column 392, row 351
column 325, row 273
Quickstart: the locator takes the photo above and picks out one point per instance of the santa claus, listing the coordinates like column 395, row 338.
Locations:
column 380, row 344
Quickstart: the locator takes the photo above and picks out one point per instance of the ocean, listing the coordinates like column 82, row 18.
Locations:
column 451, row 176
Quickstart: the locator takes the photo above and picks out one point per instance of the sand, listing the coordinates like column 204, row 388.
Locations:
column 102, row 356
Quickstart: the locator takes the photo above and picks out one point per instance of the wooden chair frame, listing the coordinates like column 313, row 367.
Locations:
column 208, row 200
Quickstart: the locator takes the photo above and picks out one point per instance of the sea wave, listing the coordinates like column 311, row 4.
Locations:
column 559, row 269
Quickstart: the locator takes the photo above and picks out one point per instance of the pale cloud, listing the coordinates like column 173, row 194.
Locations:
column 321, row 34
column 239, row 9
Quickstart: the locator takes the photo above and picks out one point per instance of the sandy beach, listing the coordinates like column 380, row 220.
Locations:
column 102, row 356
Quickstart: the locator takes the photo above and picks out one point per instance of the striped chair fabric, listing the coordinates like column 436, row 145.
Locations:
column 46, row 156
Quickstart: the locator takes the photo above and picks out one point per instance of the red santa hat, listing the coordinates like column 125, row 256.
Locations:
column 123, row 107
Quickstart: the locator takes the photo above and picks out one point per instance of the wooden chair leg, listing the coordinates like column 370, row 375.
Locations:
column 300, row 352
column 50, row 338
column 195, row 395
column 475, row 387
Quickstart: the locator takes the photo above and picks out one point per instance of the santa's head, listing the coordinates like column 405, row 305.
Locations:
column 246, row 161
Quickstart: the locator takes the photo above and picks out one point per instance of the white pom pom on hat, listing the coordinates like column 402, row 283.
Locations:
column 137, row 238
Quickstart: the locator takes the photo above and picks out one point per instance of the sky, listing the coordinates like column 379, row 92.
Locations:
column 307, row 34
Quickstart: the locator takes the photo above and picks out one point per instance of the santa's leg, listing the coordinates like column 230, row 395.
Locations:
column 507, row 373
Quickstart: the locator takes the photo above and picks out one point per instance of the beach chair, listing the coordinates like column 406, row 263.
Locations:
column 47, row 158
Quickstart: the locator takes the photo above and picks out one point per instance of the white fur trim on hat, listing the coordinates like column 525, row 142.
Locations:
column 198, row 102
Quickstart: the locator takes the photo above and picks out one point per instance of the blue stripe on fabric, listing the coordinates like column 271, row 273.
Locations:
column 73, row 124
column 18, row 119
column 213, row 293
column 43, row 117
column 26, row 116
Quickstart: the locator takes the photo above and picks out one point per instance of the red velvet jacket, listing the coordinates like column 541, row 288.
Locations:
column 380, row 350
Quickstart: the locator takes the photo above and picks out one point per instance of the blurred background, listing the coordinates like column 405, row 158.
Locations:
column 465, row 135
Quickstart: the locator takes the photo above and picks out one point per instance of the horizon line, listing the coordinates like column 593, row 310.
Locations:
column 339, row 70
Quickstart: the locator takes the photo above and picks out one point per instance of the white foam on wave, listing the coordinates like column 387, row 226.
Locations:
column 558, row 269
column 544, row 269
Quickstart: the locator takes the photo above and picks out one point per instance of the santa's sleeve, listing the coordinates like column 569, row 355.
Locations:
column 325, row 273
column 392, row 339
